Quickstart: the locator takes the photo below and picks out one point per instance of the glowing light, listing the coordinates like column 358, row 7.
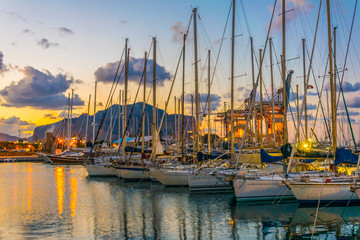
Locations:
column 73, row 195
column 60, row 188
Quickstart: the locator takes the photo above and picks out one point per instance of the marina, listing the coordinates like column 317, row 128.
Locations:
column 219, row 120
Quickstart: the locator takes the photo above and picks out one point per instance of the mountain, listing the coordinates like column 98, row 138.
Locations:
column 7, row 137
column 134, row 118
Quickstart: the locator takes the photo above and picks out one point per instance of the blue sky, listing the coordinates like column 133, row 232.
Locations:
column 70, row 40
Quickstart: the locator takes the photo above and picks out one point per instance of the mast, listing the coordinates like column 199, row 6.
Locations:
column 183, row 104
column 305, row 86
column 253, row 82
column 119, row 130
column 94, row 119
column 153, row 127
column 111, row 123
column 261, row 103
column 68, row 126
column 192, row 122
column 197, row 100
column 179, row 130
column 209, row 130
column 298, row 113
column 332, row 82
column 87, row 120
column 144, row 105
column 126, row 90
column 283, row 61
column 232, row 81
column 71, row 112
column 272, row 91
column 175, row 130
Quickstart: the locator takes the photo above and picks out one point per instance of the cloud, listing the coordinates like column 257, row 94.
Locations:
column 346, row 87
column 242, row 93
column 106, row 73
column 178, row 32
column 218, row 41
column 45, row 44
column 27, row 31
column 65, row 31
column 50, row 116
column 300, row 7
column 351, row 113
column 215, row 100
column 64, row 114
column 13, row 15
column 40, row 90
column 123, row 21
column 3, row 67
column 13, row 124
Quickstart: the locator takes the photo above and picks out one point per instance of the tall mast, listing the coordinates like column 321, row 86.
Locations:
column 261, row 102
column 68, row 125
column 94, row 117
column 232, row 81
column 183, row 104
column 283, row 61
column 87, row 120
column 209, row 129
column 144, row 105
column 153, row 127
column 305, row 86
column 253, row 81
column 197, row 100
column 193, row 123
column 119, row 127
column 179, row 130
column 272, row 91
column 332, row 82
column 176, row 125
column 298, row 113
column 126, row 88
column 71, row 111
column 111, row 123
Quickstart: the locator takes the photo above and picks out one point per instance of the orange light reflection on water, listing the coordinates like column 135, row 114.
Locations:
column 60, row 188
column 29, row 185
column 73, row 196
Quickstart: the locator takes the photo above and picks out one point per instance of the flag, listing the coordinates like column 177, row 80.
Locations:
column 310, row 86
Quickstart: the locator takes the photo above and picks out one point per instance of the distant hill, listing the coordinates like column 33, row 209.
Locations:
column 79, row 123
column 7, row 137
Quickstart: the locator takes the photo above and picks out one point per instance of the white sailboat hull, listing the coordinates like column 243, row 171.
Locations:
column 310, row 193
column 100, row 170
column 170, row 178
column 208, row 183
column 133, row 173
column 247, row 190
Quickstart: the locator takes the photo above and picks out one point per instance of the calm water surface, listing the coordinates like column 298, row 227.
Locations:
column 39, row 201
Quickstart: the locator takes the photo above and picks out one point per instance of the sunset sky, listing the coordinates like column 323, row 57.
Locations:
column 51, row 47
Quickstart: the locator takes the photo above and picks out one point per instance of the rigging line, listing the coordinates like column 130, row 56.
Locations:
column 246, row 19
column 139, row 127
column 305, row 89
column 252, row 105
column 319, row 95
column 133, row 106
column 171, row 88
column 222, row 40
column 346, row 55
column 104, row 114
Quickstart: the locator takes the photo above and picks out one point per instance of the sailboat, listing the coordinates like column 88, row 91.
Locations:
column 329, row 190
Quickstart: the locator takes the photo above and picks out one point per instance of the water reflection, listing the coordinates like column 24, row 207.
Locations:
column 62, row 203
column 60, row 188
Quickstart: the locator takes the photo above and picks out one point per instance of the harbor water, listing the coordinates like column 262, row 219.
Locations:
column 41, row 201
